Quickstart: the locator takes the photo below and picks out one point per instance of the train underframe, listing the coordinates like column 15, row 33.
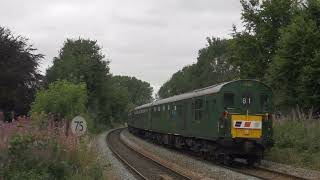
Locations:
column 221, row 150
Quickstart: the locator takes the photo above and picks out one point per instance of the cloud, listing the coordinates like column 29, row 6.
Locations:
column 149, row 39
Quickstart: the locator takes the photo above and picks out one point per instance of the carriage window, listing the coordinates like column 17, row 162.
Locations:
column 229, row 100
column 198, row 109
column 264, row 100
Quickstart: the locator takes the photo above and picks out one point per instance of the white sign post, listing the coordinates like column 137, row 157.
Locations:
column 78, row 126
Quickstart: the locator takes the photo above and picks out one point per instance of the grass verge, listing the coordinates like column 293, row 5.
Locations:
column 296, row 143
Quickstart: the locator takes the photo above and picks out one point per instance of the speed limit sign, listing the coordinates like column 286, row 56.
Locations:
column 78, row 126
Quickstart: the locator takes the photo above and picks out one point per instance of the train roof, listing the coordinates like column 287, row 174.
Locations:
column 196, row 93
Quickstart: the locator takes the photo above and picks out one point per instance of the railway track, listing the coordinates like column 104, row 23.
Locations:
column 146, row 168
column 263, row 173
column 140, row 165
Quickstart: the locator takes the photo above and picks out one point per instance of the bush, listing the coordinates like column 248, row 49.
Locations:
column 297, row 143
column 62, row 101
column 49, row 154
column 61, row 98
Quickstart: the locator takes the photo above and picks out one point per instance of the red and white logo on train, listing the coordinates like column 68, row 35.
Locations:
column 240, row 124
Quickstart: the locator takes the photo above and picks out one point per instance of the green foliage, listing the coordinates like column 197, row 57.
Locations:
column 119, row 100
column 252, row 49
column 19, row 77
column 280, row 45
column 63, row 98
column 139, row 92
column 179, row 83
column 82, row 61
column 46, row 157
column 245, row 53
column 298, row 141
column 109, row 98
column 293, row 71
column 211, row 68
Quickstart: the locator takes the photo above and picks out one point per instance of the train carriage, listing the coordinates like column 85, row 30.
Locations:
column 224, row 121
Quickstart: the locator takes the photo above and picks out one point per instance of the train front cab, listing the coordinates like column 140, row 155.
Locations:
column 246, row 122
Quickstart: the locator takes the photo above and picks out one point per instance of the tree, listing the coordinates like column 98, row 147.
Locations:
column 180, row 82
column 139, row 92
column 252, row 50
column 63, row 98
column 294, row 72
column 280, row 46
column 212, row 67
column 19, row 77
column 79, row 61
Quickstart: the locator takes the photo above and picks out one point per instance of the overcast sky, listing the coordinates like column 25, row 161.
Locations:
column 149, row 39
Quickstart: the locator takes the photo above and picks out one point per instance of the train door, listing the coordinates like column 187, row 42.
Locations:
column 184, row 116
column 150, row 110
column 180, row 116
column 210, row 121
column 229, row 104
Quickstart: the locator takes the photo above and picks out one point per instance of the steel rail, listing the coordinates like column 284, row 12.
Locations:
column 122, row 159
column 263, row 173
column 258, row 172
column 135, row 170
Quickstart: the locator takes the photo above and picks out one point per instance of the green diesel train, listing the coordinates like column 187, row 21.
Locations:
column 224, row 121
